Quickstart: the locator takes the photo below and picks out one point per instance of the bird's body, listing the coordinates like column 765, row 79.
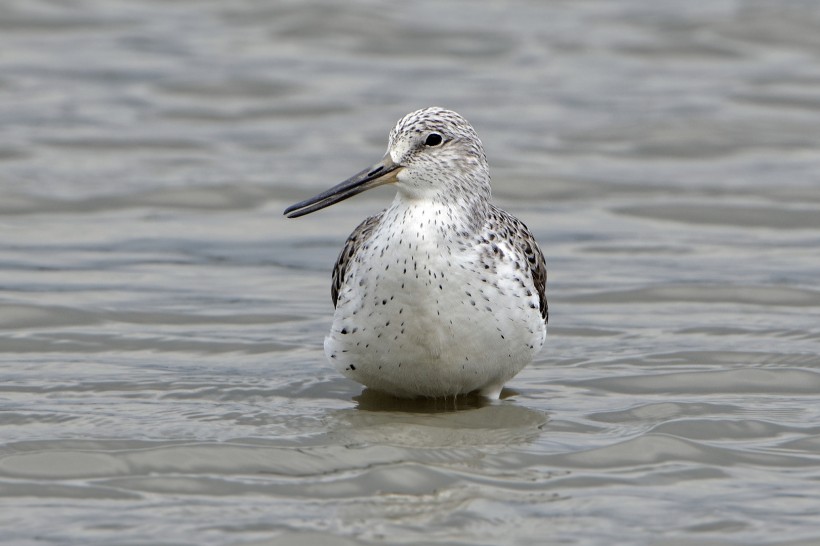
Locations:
column 443, row 293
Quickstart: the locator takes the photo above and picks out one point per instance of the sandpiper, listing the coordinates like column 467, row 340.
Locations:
column 442, row 293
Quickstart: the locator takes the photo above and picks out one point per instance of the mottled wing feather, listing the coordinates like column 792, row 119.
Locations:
column 359, row 236
column 522, row 239
column 538, row 270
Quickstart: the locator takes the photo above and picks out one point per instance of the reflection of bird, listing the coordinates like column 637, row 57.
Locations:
column 443, row 293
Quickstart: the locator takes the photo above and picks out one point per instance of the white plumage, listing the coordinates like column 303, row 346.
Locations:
column 442, row 293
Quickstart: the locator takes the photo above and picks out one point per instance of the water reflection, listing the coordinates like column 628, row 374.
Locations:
column 465, row 422
column 370, row 400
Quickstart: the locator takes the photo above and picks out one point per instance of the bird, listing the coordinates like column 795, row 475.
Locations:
column 442, row 293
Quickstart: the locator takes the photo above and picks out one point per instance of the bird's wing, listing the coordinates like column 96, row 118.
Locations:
column 524, row 242
column 538, row 270
column 358, row 238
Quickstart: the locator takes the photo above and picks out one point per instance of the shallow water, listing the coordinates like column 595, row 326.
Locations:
column 161, row 372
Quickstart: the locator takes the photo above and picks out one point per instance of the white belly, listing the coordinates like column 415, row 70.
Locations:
column 416, row 319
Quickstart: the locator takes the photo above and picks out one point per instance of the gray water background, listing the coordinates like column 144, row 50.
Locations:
column 161, row 373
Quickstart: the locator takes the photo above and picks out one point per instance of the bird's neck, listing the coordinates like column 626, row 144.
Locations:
column 461, row 205
column 438, row 217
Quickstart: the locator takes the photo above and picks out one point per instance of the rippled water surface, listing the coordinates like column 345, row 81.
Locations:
column 161, row 373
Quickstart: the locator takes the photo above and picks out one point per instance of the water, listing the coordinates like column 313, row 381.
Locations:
column 161, row 373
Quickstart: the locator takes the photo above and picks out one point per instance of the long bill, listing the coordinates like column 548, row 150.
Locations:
column 383, row 172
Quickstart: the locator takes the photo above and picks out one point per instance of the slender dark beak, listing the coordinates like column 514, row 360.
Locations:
column 383, row 172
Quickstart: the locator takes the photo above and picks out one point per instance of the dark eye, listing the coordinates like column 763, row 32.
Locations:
column 433, row 139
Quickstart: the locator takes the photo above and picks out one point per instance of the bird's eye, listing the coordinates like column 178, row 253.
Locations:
column 433, row 139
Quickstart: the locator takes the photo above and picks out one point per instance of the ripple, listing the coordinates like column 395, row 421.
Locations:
column 663, row 411
column 737, row 429
column 202, row 458
column 729, row 215
column 708, row 293
column 228, row 88
column 216, row 197
column 90, row 343
column 767, row 381
column 126, row 145
column 657, row 449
